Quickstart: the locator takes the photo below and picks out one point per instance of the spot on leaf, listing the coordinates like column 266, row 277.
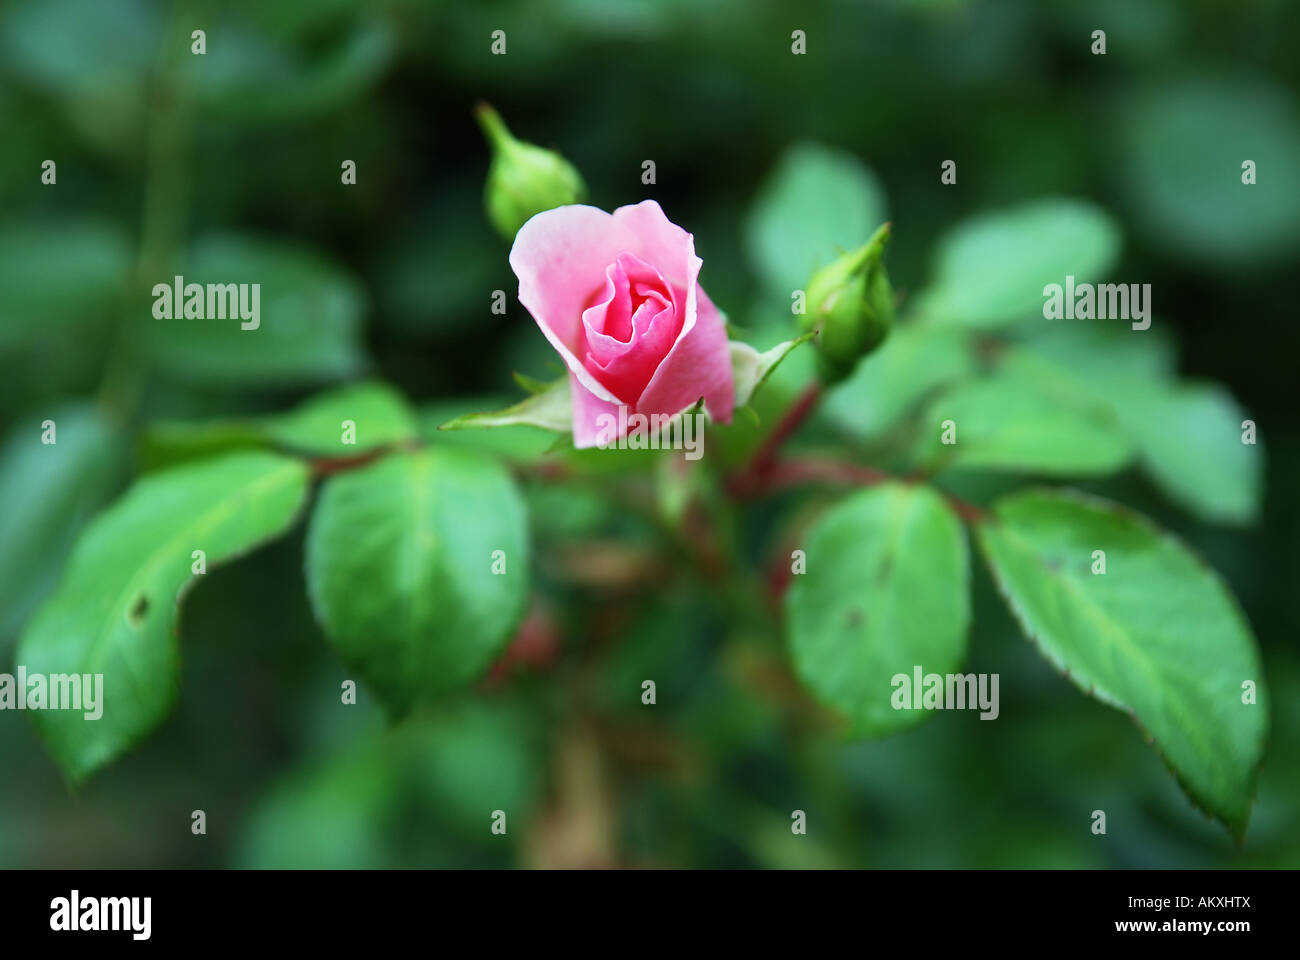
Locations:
column 138, row 611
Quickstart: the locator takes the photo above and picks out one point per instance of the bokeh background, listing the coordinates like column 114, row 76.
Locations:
column 160, row 152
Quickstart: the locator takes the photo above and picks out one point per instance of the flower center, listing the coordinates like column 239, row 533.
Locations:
column 629, row 326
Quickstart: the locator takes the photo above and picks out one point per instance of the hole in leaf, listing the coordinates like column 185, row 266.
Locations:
column 138, row 610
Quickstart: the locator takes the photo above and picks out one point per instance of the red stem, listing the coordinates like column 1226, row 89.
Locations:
column 752, row 478
column 794, row 417
column 328, row 466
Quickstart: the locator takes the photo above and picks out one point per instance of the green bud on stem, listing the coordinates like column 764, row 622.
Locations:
column 523, row 179
column 851, row 303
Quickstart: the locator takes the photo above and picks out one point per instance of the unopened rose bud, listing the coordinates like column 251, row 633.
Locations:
column 852, row 304
column 523, row 179
column 619, row 369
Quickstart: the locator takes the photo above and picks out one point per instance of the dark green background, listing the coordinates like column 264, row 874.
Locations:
column 712, row 94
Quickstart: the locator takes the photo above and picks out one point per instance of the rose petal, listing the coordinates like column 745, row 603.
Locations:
column 615, row 326
column 627, row 373
column 613, row 308
column 587, row 410
column 699, row 365
column 560, row 257
column 657, row 240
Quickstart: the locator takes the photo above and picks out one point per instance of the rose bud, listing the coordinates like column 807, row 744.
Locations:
column 618, row 297
column 852, row 304
column 523, row 179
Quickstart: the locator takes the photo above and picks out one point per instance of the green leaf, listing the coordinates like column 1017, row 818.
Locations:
column 991, row 269
column 48, row 492
column 400, row 569
column 550, row 409
column 168, row 443
column 438, row 776
column 115, row 610
column 1189, row 440
column 57, row 277
column 58, row 47
column 1181, row 145
column 886, row 590
column 476, row 756
column 912, row 363
column 310, row 317
column 1013, row 424
column 521, row 444
column 331, row 814
column 378, row 413
column 379, row 416
column 1158, row 634
column 750, row 369
column 1187, row 435
column 531, row 384
column 1095, row 357
column 816, row 203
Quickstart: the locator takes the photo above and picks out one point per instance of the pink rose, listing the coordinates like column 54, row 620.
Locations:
column 618, row 296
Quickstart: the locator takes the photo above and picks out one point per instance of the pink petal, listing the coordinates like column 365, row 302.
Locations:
column 613, row 307
column 587, row 411
column 563, row 257
column 626, row 374
column 699, row 365
column 559, row 257
column 613, row 328
column 657, row 240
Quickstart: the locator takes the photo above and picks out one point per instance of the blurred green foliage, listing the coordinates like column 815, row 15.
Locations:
column 229, row 163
